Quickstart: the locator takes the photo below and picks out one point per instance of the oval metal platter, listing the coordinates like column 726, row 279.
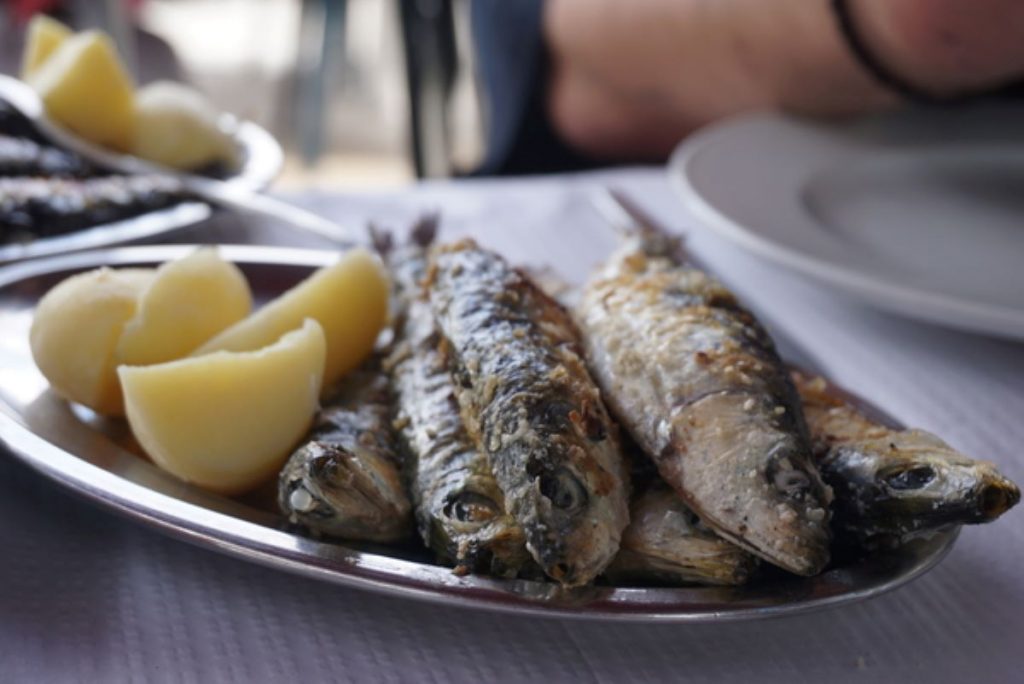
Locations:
column 98, row 459
column 261, row 161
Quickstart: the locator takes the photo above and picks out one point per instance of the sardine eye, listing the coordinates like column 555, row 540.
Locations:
column 910, row 478
column 791, row 482
column 563, row 489
column 470, row 507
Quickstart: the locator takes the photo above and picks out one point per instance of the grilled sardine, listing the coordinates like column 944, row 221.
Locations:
column 459, row 508
column 892, row 485
column 529, row 403
column 667, row 543
column 25, row 157
column 37, row 207
column 345, row 481
column 699, row 385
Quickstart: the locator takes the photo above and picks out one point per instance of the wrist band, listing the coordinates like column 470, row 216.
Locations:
column 874, row 66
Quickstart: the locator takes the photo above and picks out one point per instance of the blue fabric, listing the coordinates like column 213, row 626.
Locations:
column 507, row 34
column 512, row 62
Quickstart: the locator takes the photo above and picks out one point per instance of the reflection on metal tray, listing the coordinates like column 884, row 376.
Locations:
column 99, row 460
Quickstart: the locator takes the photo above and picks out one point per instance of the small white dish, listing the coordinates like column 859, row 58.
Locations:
column 920, row 213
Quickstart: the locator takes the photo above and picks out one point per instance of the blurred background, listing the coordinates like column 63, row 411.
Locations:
column 360, row 93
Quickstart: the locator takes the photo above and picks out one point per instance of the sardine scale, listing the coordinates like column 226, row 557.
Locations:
column 892, row 485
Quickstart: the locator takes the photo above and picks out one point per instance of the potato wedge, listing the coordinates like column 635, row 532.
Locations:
column 189, row 301
column 85, row 87
column 42, row 37
column 228, row 420
column 349, row 299
column 178, row 127
column 75, row 333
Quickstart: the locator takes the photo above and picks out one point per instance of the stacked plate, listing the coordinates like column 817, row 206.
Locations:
column 920, row 213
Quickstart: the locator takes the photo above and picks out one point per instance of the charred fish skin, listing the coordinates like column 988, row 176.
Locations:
column 894, row 485
column 41, row 207
column 458, row 505
column 25, row 157
column 667, row 543
column 529, row 402
column 345, row 480
column 698, row 384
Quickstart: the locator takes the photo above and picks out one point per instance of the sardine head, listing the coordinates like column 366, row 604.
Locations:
column 573, row 527
column 751, row 480
column 913, row 483
column 302, row 483
column 338, row 492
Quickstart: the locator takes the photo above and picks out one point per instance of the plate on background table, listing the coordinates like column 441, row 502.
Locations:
column 920, row 213
column 260, row 161
column 99, row 460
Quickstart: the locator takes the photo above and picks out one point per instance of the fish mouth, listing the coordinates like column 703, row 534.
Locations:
column 996, row 499
column 564, row 573
column 574, row 558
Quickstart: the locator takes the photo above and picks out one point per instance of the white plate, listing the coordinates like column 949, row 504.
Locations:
column 920, row 213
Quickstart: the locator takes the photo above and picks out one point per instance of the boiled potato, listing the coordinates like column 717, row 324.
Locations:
column 75, row 333
column 85, row 87
column 227, row 421
column 43, row 36
column 349, row 299
column 189, row 301
column 178, row 127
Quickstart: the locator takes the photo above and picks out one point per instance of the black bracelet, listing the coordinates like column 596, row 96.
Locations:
column 874, row 66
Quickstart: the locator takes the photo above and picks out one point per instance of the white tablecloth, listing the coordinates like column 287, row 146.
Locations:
column 86, row 596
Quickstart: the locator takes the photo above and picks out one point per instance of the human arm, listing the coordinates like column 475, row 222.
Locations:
column 630, row 79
